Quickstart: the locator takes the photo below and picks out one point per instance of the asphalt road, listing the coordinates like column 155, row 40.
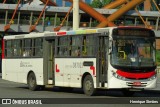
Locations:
column 16, row 90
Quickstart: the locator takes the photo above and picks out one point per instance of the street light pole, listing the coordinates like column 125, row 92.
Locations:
column 75, row 14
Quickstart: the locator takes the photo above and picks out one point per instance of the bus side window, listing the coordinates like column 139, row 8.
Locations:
column 76, row 46
column 63, row 46
column 8, row 49
column 89, row 46
column 37, row 47
column 27, row 51
column 17, row 48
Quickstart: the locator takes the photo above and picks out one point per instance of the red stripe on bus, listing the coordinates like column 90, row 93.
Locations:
column 57, row 70
column 136, row 75
column 3, row 48
column 93, row 69
column 61, row 33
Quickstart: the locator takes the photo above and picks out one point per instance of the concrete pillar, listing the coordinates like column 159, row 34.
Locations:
column 55, row 19
column 147, row 21
column 6, row 17
column 67, row 21
column 135, row 21
column 31, row 18
column 19, row 15
column 157, row 24
column 43, row 23
column 75, row 14
column 63, row 3
column 90, row 22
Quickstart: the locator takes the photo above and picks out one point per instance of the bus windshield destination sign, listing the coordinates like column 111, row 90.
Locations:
column 132, row 32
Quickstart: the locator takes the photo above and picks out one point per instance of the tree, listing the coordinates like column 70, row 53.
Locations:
column 105, row 2
column 99, row 3
column 96, row 4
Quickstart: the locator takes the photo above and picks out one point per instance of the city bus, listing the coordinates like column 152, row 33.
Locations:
column 103, row 58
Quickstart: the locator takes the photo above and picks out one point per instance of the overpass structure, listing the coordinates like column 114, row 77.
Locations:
column 52, row 17
column 27, row 15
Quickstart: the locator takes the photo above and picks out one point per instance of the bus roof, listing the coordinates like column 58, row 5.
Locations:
column 63, row 33
column 60, row 33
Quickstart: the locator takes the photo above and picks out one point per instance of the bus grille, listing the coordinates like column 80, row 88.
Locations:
column 132, row 84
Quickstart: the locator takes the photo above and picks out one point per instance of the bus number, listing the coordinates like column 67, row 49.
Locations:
column 77, row 65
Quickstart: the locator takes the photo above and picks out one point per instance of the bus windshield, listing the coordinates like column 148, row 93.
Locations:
column 133, row 51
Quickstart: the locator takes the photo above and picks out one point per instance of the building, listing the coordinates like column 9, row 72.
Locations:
column 66, row 3
column 148, row 5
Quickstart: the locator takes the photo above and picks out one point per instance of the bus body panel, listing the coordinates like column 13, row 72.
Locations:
column 114, row 82
column 117, row 83
column 19, row 68
column 3, row 69
column 69, row 71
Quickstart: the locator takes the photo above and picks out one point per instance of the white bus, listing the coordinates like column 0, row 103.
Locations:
column 104, row 58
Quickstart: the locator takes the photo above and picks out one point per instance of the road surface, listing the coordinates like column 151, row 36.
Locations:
column 15, row 90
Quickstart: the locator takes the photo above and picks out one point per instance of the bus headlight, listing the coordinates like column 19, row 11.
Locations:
column 152, row 78
column 118, row 76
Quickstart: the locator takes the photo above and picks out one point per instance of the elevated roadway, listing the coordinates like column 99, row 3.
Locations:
column 22, row 25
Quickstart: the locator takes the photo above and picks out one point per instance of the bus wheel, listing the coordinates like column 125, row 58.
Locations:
column 128, row 93
column 32, row 84
column 88, row 86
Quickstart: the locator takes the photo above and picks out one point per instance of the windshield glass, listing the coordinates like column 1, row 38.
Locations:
column 133, row 52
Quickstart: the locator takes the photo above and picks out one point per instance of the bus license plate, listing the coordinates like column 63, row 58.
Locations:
column 137, row 83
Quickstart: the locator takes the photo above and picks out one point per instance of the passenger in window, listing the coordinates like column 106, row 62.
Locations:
column 60, row 53
column 40, row 52
column 24, row 54
column 30, row 52
column 77, row 51
column 27, row 53
column 15, row 52
column 65, row 51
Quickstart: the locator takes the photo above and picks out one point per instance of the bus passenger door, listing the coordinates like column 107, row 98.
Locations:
column 103, row 60
column 51, row 45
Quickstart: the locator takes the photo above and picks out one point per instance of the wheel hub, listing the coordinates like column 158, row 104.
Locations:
column 32, row 82
column 88, row 85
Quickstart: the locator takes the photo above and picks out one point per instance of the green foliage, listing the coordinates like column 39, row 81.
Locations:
column 96, row 4
column 99, row 3
column 102, row 3
column 158, row 57
column 95, row 23
column 105, row 2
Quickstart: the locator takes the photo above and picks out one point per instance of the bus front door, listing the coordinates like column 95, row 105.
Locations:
column 103, row 60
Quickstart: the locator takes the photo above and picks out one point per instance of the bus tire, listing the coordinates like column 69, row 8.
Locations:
column 88, row 86
column 32, row 83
